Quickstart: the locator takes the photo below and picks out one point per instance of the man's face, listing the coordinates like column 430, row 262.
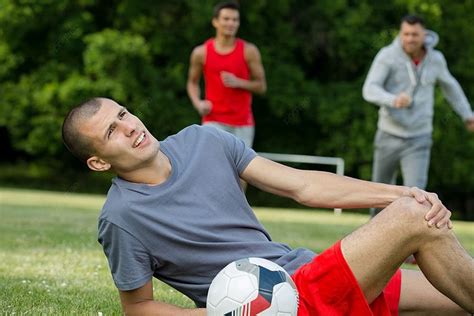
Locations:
column 227, row 23
column 119, row 138
column 412, row 37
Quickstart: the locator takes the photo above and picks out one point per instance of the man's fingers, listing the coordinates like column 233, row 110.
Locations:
column 419, row 195
column 435, row 209
column 438, row 215
column 440, row 219
column 450, row 224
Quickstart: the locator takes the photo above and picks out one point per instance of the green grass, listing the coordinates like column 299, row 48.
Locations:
column 51, row 263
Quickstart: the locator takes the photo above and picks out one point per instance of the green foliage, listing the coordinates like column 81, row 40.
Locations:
column 55, row 54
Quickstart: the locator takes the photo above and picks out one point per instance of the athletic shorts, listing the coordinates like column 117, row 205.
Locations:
column 245, row 133
column 328, row 287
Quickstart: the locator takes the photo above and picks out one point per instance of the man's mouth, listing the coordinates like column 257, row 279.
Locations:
column 139, row 140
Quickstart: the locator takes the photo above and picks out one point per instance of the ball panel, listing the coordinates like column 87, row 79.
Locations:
column 285, row 297
column 242, row 289
column 218, row 289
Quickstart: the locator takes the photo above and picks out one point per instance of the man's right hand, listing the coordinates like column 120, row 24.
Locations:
column 402, row 100
column 204, row 107
column 438, row 215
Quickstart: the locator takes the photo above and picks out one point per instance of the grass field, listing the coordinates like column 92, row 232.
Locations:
column 51, row 263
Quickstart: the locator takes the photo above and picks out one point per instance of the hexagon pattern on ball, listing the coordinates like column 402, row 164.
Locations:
column 252, row 287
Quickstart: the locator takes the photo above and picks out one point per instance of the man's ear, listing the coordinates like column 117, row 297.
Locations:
column 98, row 164
column 214, row 22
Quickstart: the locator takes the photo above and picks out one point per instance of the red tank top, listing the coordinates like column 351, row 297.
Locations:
column 229, row 105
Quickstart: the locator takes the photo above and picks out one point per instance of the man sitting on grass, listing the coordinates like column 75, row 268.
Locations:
column 176, row 212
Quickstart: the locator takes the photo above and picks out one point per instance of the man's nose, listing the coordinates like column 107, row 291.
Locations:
column 127, row 127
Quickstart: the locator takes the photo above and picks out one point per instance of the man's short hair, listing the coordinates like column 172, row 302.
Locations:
column 413, row 19
column 75, row 142
column 225, row 5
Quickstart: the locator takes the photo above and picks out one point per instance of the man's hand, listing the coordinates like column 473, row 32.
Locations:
column 230, row 80
column 204, row 107
column 403, row 100
column 470, row 124
column 438, row 215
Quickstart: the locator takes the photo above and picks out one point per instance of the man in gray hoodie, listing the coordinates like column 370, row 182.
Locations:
column 401, row 81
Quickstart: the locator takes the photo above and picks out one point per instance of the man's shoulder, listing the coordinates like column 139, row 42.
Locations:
column 115, row 202
column 437, row 55
column 388, row 50
column 251, row 51
column 249, row 47
column 199, row 53
column 193, row 129
column 190, row 134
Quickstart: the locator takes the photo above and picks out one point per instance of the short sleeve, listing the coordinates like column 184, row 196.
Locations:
column 130, row 264
column 240, row 153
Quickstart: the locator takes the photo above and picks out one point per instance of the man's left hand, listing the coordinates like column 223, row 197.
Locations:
column 438, row 215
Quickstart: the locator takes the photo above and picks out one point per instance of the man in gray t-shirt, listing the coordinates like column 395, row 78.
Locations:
column 176, row 212
column 199, row 184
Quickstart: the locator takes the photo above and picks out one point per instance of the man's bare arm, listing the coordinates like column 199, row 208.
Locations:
column 196, row 64
column 140, row 302
column 324, row 189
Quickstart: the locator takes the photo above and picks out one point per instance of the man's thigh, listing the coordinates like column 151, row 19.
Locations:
column 386, row 157
column 419, row 297
column 415, row 161
column 377, row 249
column 245, row 133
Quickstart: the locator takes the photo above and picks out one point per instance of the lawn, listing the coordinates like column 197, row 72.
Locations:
column 51, row 263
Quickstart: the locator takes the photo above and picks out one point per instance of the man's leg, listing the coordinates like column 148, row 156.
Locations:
column 386, row 160
column 418, row 297
column 415, row 161
column 376, row 250
column 245, row 133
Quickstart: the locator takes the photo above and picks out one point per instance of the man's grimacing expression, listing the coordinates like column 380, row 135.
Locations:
column 120, row 139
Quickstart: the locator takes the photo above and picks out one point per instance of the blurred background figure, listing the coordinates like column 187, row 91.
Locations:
column 401, row 81
column 232, row 70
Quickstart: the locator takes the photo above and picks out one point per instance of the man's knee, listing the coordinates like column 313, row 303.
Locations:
column 408, row 205
column 408, row 212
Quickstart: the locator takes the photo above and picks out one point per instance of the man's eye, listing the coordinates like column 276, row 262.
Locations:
column 109, row 132
column 122, row 114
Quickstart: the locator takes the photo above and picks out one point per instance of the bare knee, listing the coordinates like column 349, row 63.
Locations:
column 409, row 215
column 408, row 209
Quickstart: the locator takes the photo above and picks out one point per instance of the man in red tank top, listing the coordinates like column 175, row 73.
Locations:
column 232, row 71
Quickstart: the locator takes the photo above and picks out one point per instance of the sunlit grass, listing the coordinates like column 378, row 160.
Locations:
column 51, row 262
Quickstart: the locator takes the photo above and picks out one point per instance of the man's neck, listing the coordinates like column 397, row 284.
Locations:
column 417, row 55
column 224, row 43
column 157, row 172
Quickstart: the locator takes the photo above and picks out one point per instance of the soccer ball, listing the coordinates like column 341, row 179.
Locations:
column 252, row 287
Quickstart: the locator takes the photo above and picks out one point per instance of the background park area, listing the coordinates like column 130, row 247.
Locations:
column 316, row 54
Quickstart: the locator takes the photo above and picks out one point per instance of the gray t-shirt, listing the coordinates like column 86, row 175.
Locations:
column 185, row 230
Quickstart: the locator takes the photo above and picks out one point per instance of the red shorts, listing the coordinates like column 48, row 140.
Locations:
column 327, row 287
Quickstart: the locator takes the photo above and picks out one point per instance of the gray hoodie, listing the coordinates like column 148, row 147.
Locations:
column 393, row 72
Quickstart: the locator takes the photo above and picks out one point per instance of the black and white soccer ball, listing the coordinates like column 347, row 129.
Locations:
column 252, row 287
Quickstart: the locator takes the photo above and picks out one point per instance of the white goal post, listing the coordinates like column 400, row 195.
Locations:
column 319, row 160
